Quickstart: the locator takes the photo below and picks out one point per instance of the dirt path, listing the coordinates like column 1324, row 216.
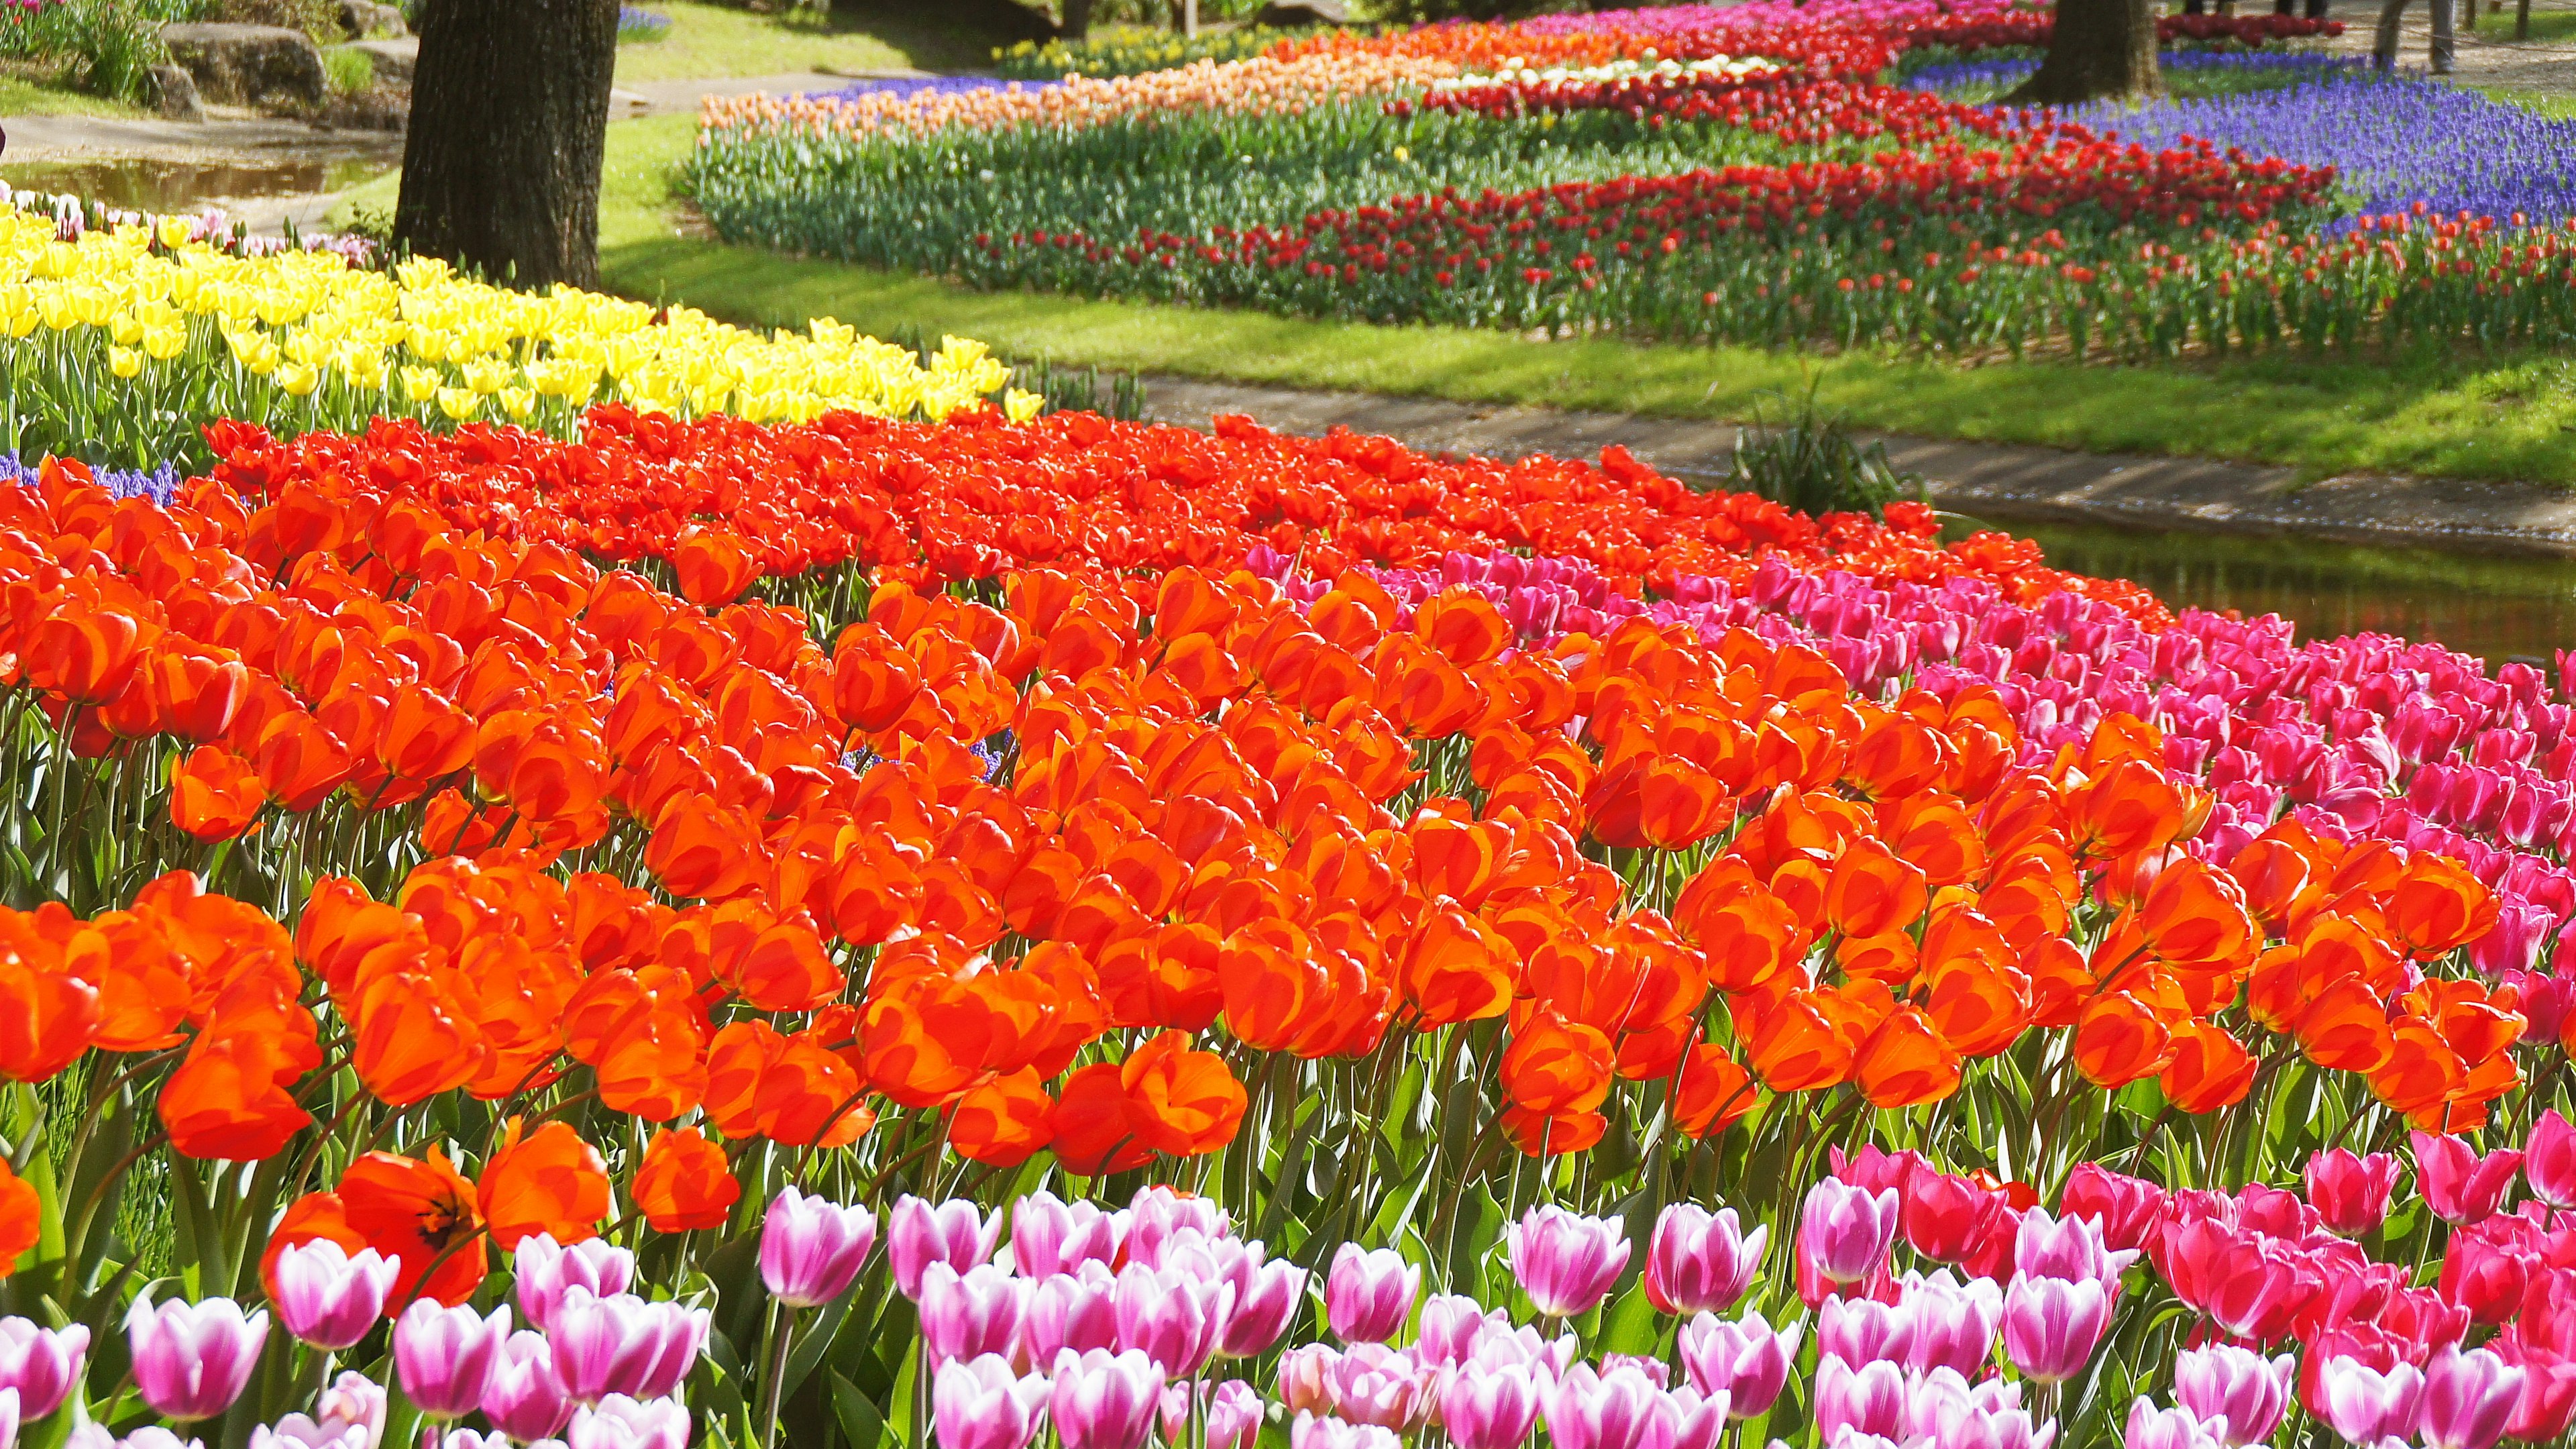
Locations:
column 2487, row 56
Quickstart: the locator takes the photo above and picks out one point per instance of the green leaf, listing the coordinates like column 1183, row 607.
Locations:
column 1631, row 1325
column 861, row 1423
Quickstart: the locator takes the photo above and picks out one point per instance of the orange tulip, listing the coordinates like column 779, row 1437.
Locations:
column 1712, row 1092
column 83, row 653
column 228, row 1099
column 1185, row 1103
column 1005, row 1121
column 1796, row 1045
column 1537, row 1134
column 1552, row 1068
column 811, row 1098
column 651, row 1062
column 22, row 1219
column 2345, row 1027
column 1095, row 1133
column 1455, row 968
column 685, row 1183
column 413, row 1039
column 2196, row 916
column 547, row 1181
column 2130, row 806
column 214, row 793
column 2209, row 1070
column 1872, row 893
column 2438, row 906
column 47, row 1017
column 714, row 568
column 423, row 1211
column 1905, row 1062
column 2119, row 1040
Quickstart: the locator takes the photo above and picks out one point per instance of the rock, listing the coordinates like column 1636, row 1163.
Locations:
column 395, row 59
column 249, row 65
column 360, row 19
column 1290, row 13
column 174, row 94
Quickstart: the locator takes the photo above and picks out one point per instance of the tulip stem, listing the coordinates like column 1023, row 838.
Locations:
column 782, row 1332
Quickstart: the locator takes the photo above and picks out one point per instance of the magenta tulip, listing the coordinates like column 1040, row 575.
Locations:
column 2458, row 1185
column 1449, row 1326
column 2052, row 1325
column 1489, row 1408
column 545, row 1270
column 2069, row 1247
column 1302, row 1372
column 1692, row 1421
column 41, row 1364
column 2364, row 1405
column 979, row 1403
column 524, row 1397
column 1954, row 1323
column 1870, row 1398
column 2129, row 1209
column 1233, row 1416
column 1744, row 1360
column 2154, row 1428
column 1050, row 1237
column 2549, row 1160
column 1565, row 1262
column 1266, row 1296
column 328, row 1299
column 2351, row 1193
column 969, row 1315
column 1313, row 1432
column 1370, row 1383
column 444, row 1356
column 1369, row 1294
column 1156, row 1214
column 618, row 1422
column 1613, row 1410
column 1171, row 1317
column 2469, row 1399
column 1864, row 1330
column 2248, row 1391
column 1105, row 1401
column 1070, row 1310
column 1700, row 1262
column 624, row 1345
column 811, row 1249
column 191, row 1360
column 1844, row 1232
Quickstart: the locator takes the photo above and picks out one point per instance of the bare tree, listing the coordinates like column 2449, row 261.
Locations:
column 2098, row 48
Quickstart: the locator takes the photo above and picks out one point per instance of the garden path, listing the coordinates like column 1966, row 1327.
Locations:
column 1981, row 480
column 2487, row 56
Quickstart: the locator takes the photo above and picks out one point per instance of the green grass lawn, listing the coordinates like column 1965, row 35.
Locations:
column 23, row 93
column 708, row 40
column 2546, row 25
column 2500, row 418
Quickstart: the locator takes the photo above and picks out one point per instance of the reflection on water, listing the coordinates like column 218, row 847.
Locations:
column 149, row 184
column 2498, row 609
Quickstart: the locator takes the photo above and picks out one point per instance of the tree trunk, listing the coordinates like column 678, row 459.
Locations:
column 2098, row 48
column 1077, row 19
column 509, row 117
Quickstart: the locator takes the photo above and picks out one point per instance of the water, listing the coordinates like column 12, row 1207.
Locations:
column 159, row 184
column 2499, row 609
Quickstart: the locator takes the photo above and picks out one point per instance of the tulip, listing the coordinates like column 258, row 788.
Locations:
column 919, row 1234
column 1156, row 1213
column 191, row 1360
column 2458, row 1185
column 1744, row 1360
column 1450, row 1325
column 150, row 1436
column 624, row 1345
column 349, row 1415
column 1694, row 1422
column 1050, row 1237
column 1844, row 1233
column 2128, row 1209
column 2349, row 1192
column 1269, row 1294
column 1311, row 1432
column 2469, row 1398
column 524, row 1397
column 2237, row 1385
column 2548, row 1406
column 1863, row 1330
column 618, row 1422
column 1489, row 1408
column 979, row 1403
column 468, row 1439
column 298, row 1432
column 2365, row 1405
column 1371, row 1383
column 1101, row 1400
column 1075, row 1311
column 810, row 1249
column 328, row 1299
column 444, row 1356
column 2052, row 1325
column 971, row 1315
column 1870, row 1398
column 1946, row 1217
column 1171, row 1317
column 1302, row 1378
column 2549, row 1160
column 1614, row 1410
column 2070, row 1247
column 1369, row 1294
column 545, row 1270
column 1700, row 1262
column 1233, row 1416
column 2153, row 1428
column 1954, row 1323
column 41, row 1364
column 1657, row 1372
column 1566, row 1263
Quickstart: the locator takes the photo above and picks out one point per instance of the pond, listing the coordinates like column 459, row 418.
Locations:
column 163, row 184
column 2497, row 608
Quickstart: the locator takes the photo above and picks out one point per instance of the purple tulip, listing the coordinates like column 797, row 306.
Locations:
column 191, row 1360
column 1050, row 1237
column 919, row 1234
column 624, row 1345
column 1369, row 1294
column 545, row 1270
column 444, row 1356
column 2154, row 1428
column 810, row 1248
column 979, row 1403
column 1490, row 1408
column 1101, row 1400
column 1566, row 1263
column 1266, row 1296
column 1843, row 1232
column 525, row 1398
column 42, row 1364
column 328, row 1299
column 1233, row 1419
column 1745, row 1360
column 1075, row 1311
column 1864, row 1330
column 2468, row 1398
column 618, row 1422
column 1870, row 1398
column 1701, row 1262
column 1614, row 1410
column 970, row 1315
column 2364, row 1405
column 2052, row 1325
column 2238, row 1385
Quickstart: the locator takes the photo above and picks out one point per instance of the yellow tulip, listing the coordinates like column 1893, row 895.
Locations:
column 1020, row 406
column 298, row 379
column 459, row 403
column 124, row 361
column 420, row 384
column 518, row 402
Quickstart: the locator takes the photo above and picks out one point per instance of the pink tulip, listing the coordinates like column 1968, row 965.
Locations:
column 1267, row 1296
column 624, row 1345
column 1075, row 1311
column 1371, row 1383
column 2549, row 1160
column 191, row 1360
column 1614, row 1410
column 1369, row 1294
column 1954, row 1323
column 1566, row 1263
column 328, row 1299
column 2237, row 1385
column 2128, row 1208
column 1171, row 1317
column 349, row 1415
column 1050, row 1237
column 811, row 1248
column 2469, row 1399
column 1692, row 1421
column 2052, row 1325
column 545, row 1270
column 150, row 1436
column 1870, row 1398
column 919, row 1234
column 979, row 1403
column 2365, row 1405
column 1302, row 1374
column 1744, row 1360
column 524, row 1397
column 1700, row 1262
column 2069, row 1247
column 444, row 1356
column 1450, row 1325
column 1158, row 1213
column 41, row 1364
column 1233, row 1416
column 2458, row 1185
column 2349, row 1192
column 1311, row 1432
column 618, row 1422
column 2547, row 1409
column 298, row 1432
column 969, row 1315
column 1844, row 1233
column 1102, row 1400
column 1863, row 1330
column 1657, row 1372
column 2153, row 1428
column 1490, row 1408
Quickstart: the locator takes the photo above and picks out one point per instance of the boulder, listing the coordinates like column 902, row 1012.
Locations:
column 1291, row 13
column 395, row 59
column 249, row 65
column 174, row 94
column 361, row 19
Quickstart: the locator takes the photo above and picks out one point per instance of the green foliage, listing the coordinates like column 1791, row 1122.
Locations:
column 351, row 72
column 1809, row 461
column 1116, row 50
column 319, row 19
column 105, row 47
